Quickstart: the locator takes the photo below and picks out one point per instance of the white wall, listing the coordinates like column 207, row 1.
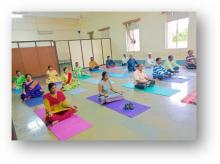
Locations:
column 152, row 31
column 26, row 29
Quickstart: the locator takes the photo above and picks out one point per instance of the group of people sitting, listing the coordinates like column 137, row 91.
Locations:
column 56, row 104
column 93, row 66
column 169, row 64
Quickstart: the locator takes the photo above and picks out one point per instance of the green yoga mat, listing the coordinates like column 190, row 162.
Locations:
column 83, row 77
column 154, row 90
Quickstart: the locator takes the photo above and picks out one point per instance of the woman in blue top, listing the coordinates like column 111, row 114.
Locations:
column 106, row 92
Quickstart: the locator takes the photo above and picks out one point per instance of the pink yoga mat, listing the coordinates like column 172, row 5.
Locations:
column 191, row 98
column 66, row 128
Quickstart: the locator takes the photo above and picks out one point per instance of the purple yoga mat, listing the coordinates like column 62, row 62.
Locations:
column 66, row 128
column 118, row 106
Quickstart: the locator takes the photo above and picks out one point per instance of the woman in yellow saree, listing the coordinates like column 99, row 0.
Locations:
column 68, row 82
column 57, row 107
column 52, row 75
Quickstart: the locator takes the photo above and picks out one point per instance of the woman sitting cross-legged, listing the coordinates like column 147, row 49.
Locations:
column 106, row 92
column 57, row 107
column 68, row 82
column 141, row 80
column 52, row 75
column 31, row 88
column 159, row 72
column 18, row 80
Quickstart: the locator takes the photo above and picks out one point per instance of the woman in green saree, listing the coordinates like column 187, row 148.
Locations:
column 68, row 82
column 18, row 80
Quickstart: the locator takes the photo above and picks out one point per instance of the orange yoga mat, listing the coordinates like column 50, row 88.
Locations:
column 191, row 98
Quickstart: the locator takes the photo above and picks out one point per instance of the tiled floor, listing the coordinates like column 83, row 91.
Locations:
column 168, row 118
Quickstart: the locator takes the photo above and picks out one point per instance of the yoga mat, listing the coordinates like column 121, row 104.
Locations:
column 34, row 101
column 118, row 75
column 59, row 85
column 77, row 91
column 83, row 77
column 94, row 81
column 158, row 90
column 115, row 67
column 175, row 80
column 97, row 71
column 16, row 91
column 191, row 98
column 67, row 128
column 118, row 106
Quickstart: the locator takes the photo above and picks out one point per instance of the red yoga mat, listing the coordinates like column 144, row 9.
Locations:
column 191, row 98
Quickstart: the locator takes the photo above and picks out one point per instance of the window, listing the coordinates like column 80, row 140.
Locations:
column 133, row 40
column 177, row 33
column 105, row 34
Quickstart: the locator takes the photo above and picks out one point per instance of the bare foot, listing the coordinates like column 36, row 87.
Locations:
column 54, row 122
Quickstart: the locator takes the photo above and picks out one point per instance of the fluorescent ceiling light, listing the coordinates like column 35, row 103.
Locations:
column 17, row 15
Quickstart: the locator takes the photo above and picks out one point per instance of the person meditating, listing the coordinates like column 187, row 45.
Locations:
column 52, row 75
column 171, row 65
column 93, row 65
column 109, row 62
column 79, row 71
column 159, row 72
column 141, row 80
column 190, row 60
column 56, row 105
column 31, row 88
column 18, row 80
column 106, row 92
column 131, row 63
column 68, row 82
column 150, row 61
column 124, row 60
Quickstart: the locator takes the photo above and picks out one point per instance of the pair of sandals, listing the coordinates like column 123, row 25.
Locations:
column 129, row 106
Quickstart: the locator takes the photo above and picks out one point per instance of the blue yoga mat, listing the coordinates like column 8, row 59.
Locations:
column 118, row 75
column 16, row 91
column 77, row 91
column 34, row 101
column 59, row 85
column 93, row 81
column 97, row 71
column 154, row 90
